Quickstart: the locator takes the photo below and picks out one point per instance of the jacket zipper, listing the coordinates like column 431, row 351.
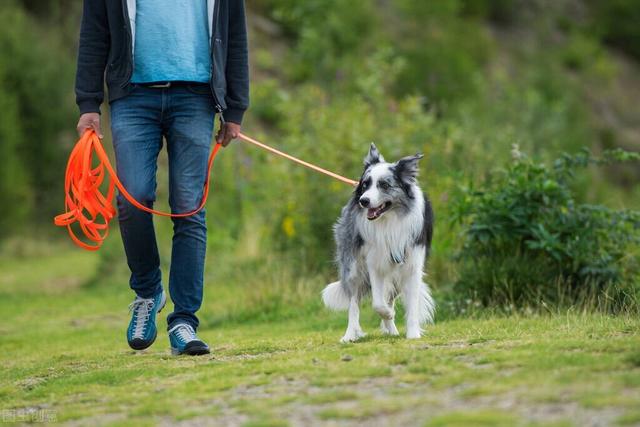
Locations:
column 214, row 26
column 127, row 25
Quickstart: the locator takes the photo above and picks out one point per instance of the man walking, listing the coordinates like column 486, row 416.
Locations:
column 170, row 66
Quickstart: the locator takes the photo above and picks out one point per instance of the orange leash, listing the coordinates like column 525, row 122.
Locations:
column 86, row 205
column 295, row 159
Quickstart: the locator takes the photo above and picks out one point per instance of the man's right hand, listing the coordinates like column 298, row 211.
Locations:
column 89, row 121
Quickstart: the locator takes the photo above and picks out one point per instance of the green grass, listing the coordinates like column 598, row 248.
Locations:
column 64, row 352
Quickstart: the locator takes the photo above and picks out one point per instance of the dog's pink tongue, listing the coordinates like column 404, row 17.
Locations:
column 372, row 212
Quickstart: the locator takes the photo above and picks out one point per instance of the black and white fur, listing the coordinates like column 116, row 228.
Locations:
column 383, row 237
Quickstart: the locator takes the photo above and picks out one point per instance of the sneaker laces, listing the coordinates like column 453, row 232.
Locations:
column 184, row 332
column 141, row 308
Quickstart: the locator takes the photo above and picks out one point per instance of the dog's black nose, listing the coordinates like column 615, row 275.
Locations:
column 364, row 202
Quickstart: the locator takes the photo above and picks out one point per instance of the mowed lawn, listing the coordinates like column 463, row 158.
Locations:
column 64, row 358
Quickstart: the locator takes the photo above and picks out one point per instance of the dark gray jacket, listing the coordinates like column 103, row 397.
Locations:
column 106, row 52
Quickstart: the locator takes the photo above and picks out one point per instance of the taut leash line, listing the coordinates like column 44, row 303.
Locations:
column 295, row 159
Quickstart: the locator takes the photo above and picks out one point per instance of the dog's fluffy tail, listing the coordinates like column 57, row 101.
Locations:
column 427, row 307
column 335, row 297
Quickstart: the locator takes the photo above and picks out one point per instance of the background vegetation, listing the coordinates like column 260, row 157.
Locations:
column 461, row 81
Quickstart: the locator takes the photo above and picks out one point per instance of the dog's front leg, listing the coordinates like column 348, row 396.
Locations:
column 378, row 296
column 388, row 326
column 354, row 331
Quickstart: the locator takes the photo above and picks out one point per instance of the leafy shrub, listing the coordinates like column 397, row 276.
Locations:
column 527, row 238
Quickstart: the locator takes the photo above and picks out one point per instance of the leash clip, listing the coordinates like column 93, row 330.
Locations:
column 219, row 108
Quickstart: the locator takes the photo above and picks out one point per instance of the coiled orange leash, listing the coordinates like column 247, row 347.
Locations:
column 86, row 205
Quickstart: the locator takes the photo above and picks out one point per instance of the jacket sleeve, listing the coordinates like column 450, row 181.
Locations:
column 93, row 51
column 237, row 72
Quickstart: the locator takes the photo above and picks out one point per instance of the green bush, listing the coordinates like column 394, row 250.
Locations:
column 528, row 240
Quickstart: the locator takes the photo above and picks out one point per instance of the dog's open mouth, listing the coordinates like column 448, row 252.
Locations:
column 374, row 213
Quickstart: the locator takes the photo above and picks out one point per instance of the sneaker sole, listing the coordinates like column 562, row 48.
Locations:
column 143, row 346
column 191, row 351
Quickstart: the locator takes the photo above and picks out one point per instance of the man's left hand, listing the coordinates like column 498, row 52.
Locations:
column 227, row 132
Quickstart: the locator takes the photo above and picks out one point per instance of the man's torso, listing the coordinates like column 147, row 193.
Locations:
column 171, row 41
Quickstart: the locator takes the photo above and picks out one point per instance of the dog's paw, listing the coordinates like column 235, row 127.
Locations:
column 388, row 327
column 384, row 311
column 414, row 333
column 352, row 336
column 349, row 338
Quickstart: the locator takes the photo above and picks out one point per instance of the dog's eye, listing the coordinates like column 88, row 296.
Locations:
column 366, row 183
column 383, row 185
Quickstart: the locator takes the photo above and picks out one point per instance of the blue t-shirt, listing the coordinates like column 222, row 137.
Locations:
column 171, row 41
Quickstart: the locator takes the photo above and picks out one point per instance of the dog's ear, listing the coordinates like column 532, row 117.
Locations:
column 407, row 167
column 373, row 156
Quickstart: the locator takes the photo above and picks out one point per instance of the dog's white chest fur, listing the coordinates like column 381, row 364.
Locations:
column 391, row 238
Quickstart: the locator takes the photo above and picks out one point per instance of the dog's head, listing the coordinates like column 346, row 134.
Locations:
column 386, row 186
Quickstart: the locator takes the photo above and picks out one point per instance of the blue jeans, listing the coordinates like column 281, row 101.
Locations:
column 184, row 116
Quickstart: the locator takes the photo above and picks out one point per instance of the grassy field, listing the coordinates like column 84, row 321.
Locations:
column 64, row 358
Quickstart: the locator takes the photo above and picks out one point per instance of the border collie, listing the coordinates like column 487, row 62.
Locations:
column 383, row 237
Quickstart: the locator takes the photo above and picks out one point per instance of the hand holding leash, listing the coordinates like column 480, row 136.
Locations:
column 89, row 121
column 227, row 132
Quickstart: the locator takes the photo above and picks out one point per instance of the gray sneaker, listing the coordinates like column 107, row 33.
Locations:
column 184, row 340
